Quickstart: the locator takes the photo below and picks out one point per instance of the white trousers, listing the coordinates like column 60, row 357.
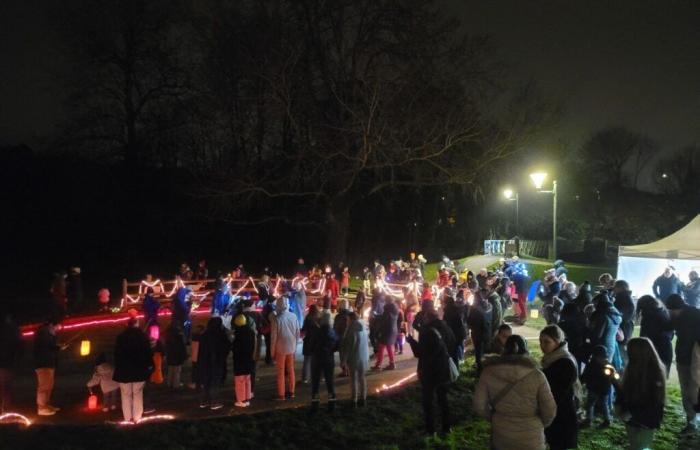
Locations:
column 132, row 400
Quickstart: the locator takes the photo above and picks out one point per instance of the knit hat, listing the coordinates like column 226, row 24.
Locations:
column 240, row 320
column 675, row 301
column 282, row 304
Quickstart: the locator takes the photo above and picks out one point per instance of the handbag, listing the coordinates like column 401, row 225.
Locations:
column 454, row 371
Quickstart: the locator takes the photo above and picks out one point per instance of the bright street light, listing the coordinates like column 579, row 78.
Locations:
column 538, row 178
column 512, row 196
column 508, row 193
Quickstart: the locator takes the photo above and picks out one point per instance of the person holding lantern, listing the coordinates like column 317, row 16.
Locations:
column 46, row 348
column 102, row 376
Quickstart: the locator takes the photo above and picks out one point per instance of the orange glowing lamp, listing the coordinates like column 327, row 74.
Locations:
column 84, row 348
column 92, row 402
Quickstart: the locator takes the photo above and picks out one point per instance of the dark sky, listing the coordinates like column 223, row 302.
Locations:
column 634, row 63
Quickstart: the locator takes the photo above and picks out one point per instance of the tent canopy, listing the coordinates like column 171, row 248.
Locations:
column 683, row 244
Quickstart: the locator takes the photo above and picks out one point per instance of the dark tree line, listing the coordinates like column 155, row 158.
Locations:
column 303, row 112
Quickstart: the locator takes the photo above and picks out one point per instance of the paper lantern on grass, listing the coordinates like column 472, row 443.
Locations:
column 534, row 313
column 84, row 348
column 92, row 402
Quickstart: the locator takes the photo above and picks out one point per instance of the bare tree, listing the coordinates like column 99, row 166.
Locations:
column 129, row 80
column 607, row 152
column 356, row 98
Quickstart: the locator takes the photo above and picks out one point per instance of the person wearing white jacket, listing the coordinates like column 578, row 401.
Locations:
column 283, row 343
column 103, row 377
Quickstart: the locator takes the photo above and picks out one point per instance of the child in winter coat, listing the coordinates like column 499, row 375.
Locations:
column 598, row 384
column 103, row 377
column 401, row 326
column 345, row 281
column 244, row 341
column 158, row 353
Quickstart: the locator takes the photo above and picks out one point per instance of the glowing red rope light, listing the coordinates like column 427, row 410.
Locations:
column 15, row 418
column 399, row 383
column 126, row 423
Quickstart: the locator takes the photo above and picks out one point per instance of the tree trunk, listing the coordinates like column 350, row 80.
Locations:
column 337, row 226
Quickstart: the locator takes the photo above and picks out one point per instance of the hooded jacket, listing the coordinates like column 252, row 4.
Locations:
column 285, row 330
column 520, row 417
column 355, row 347
column 604, row 324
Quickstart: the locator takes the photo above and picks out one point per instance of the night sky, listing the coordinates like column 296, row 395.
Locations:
column 634, row 63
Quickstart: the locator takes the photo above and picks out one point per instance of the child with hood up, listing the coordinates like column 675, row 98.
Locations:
column 244, row 342
column 102, row 376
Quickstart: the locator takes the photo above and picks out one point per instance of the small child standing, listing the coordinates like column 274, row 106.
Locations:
column 103, row 377
column 401, row 326
column 158, row 351
column 598, row 384
column 175, row 353
column 244, row 342
column 345, row 281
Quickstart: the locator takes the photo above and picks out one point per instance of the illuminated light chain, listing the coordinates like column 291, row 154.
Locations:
column 275, row 291
column 89, row 323
column 252, row 283
column 126, row 423
column 15, row 418
column 399, row 383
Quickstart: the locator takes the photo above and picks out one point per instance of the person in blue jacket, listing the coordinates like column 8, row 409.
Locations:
column 181, row 310
column 667, row 284
column 222, row 297
column 150, row 308
column 604, row 325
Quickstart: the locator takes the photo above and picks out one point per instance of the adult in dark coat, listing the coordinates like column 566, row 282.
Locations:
column 322, row 361
column 133, row 361
column 691, row 291
column 667, row 284
column 46, row 350
column 604, row 324
column 211, row 362
column 175, row 348
column 656, row 325
column 377, row 308
column 479, row 321
column 584, row 297
column 454, row 318
column 433, row 353
column 181, row 310
column 573, row 323
column 11, row 349
column 387, row 331
column 624, row 304
column 133, row 364
column 560, row 368
column 150, row 308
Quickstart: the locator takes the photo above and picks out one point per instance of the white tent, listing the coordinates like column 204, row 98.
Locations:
column 640, row 265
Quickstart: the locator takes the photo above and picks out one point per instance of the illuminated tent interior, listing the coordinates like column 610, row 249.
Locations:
column 640, row 265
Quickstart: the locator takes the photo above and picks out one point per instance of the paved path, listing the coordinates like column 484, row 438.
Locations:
column 73, row 372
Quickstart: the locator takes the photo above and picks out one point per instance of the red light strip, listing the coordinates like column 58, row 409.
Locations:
column 399, row 383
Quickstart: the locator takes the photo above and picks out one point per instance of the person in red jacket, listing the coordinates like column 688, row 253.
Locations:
column 427, row 293
column 333, row 287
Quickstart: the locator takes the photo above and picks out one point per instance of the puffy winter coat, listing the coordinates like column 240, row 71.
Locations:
column 354, row 346
column 520, row 417
column 604, row 324
column 388, row 329
column 433, row 351
column 656, row 325
column 625, row 305
column 285, row 332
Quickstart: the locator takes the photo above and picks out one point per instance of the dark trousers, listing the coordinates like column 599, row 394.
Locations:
column 479, row 347
column 319, row 365
column 211, row 387
column 429, row 391
column 268, row 356
column 5, row 389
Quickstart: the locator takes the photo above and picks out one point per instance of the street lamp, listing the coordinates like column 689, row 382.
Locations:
column 538, row 179
column 512, row 196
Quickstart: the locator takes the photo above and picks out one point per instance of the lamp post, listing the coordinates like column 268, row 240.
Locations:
column 538, row 179
column 512, row 196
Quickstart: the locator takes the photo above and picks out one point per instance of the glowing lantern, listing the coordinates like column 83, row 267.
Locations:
column 84, row 348
column 92, row 402
column 154, row 332
column 534, row 313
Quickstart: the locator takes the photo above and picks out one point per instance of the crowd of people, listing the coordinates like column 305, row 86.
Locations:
column 592, row 364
